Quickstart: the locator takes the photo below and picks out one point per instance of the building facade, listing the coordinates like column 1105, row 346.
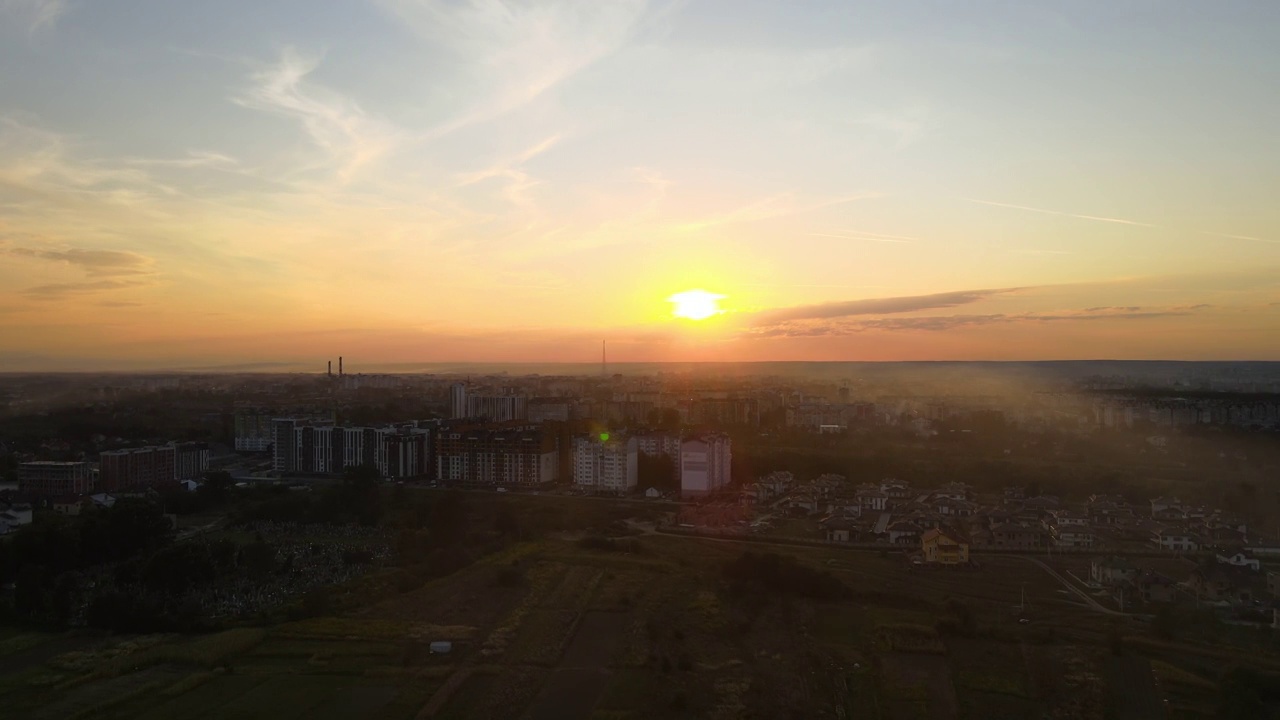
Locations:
column 496, row 408
column 136, row 468
column 458, row 400
column 705, row 464
column 50, row 479
column 486, row 456
column 398, row 452
column 605, row 465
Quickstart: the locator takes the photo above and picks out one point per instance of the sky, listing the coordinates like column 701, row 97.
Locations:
column 205, row 184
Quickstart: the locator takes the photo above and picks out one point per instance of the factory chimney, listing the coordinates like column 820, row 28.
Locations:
column 330, row 370
column 339, row 366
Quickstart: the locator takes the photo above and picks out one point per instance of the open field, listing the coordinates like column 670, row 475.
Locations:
column 554, row 628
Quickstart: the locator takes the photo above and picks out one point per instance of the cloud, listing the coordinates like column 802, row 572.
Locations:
column 516, row 51
column 57, row 291
column 37, row 14
column 939, row 323
column 1120, row 221
column 349, row 136
column 875, row 306
column 194, row 159
column 97, row 263
column 520, row 182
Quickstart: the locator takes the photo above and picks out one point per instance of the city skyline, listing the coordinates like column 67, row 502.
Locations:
column 418, row 181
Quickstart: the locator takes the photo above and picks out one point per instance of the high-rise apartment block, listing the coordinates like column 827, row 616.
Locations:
column 496, row 408
column 705, row 463
column 144, row 467
column 603, row 464
column 50, row 479
column 398, row 451
column 458, row 400
column 136, row 468
column 497, row 456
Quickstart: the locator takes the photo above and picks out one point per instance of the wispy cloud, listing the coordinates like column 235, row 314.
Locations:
column 57, row 291
column 350, row 137
column 875, row 306
column 940, row 323
column 1119, row 221
column 96, row 263
column 512, row 169
column 516, row 51
column 36, row 14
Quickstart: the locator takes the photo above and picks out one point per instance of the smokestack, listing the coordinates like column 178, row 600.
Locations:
column 339, row 365
column 330, row 370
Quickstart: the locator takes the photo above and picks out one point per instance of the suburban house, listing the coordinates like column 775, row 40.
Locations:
column 953, row 490
column 1011, row 535
column 871, row 498
column 1071, row 536
column 839, row 529
column 1156, row 588
column 1175, row 539
column 1112, row 571
column 67, row 504
column 944, row 547
column 1014, row 492
column 1273, row 583
column 954, row 508
column 1224, row 583
column 904, row 533
column 895, row 489
column 1161, row 504
column 1238, row 558
column 1072, row 518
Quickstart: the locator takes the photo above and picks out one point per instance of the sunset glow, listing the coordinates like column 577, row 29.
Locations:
column 866, row 181
column 695, row 304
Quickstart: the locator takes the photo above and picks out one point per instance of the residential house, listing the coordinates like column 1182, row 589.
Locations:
column 68, row 504
column 1014, row 493
column 944, row 547
column 839, row 529
column 871, row 498
column 1239, row 558
column 953, row 490
column 1075, row 537
column 1178, row 539
column 1273, row 583
column 1161, row 504
column 905, row 532
column 1156, row 588
column 1214, row 581
column 895, row 490
column 954, row 508
column 1022, row 537
column 14, row 517
column 1070, row 518
column 1112, row 571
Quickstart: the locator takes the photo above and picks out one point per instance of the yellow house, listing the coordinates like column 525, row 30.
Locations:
column 944, row 548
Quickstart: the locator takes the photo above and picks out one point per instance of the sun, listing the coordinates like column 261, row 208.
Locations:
column 695, row 304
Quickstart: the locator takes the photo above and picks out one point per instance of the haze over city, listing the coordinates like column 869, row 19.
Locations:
column 203, row 185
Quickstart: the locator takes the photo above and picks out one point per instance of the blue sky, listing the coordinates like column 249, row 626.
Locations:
column 501, row 180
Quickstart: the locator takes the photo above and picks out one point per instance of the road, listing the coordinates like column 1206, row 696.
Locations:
column 1088, row 600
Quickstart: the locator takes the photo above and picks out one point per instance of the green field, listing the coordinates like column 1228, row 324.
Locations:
column 550, row 629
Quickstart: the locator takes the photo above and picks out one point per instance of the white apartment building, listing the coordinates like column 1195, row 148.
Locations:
column 605, row 465
column 705, row 464
column 458, row 400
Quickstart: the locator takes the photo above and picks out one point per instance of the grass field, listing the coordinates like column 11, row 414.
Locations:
column 552, row 629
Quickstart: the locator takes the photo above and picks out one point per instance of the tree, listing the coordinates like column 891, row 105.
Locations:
column 658, row 472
